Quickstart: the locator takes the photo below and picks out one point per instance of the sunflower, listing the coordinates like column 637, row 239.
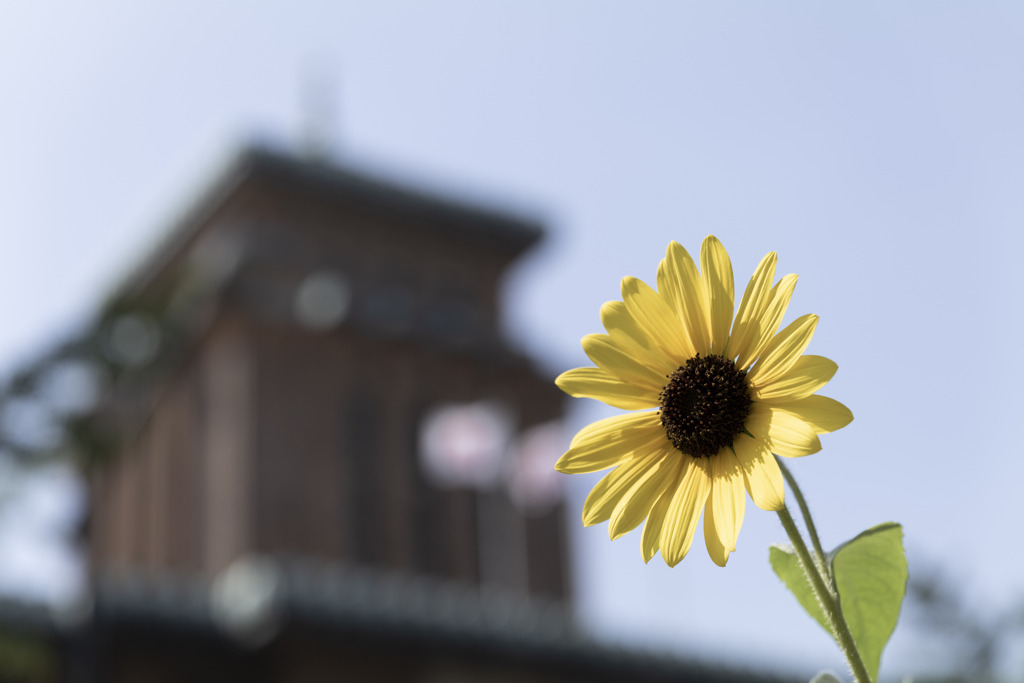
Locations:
column 716, row 397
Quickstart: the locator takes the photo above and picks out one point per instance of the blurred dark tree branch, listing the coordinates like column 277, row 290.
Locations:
column 975, row 639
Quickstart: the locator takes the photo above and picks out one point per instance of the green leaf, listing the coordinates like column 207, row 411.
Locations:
column 871, row 577
column 787, row 566
column 826, row 677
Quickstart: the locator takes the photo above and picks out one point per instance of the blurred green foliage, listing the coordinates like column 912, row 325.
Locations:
column 26, row 660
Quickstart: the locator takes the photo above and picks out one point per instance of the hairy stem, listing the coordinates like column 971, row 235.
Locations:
column 828, row 600
column 819, row 553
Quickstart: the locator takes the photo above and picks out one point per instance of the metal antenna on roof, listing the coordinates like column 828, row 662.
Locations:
column 318, row 113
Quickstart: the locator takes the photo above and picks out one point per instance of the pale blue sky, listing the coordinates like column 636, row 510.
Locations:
column 878, row 147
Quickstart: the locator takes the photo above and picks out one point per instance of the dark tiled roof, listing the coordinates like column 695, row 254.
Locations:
column 363, row 188
column 351, row 187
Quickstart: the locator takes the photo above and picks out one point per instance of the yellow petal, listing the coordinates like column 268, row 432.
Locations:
column 610, row 490
column 752, row 305
column 783, row 351
column 636, row 504
column 787, row 434
column 768, row 323
column 716, row 269
column 630, row 337
column 615, row 439
column 608, row 356
column 684, row 511
column 821, row 413
column 656, row 319
column 679, row 282
column 808, row 375
column 597, row 384
column 650, row 542
column 716, row 549
column 728, row 498
column 761, row 474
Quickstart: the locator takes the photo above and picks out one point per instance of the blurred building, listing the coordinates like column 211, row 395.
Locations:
column 330, row 316
column 310, row 461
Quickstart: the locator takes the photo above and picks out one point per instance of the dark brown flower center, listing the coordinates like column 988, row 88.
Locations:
column 704, row 405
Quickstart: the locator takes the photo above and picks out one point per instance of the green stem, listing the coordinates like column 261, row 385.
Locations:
column 819, row 553
column 828, row 600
